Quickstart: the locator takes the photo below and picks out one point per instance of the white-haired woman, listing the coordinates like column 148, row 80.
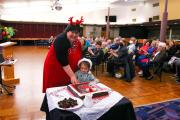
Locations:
column 158, row 59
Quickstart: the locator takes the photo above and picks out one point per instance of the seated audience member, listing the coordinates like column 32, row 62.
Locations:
column 92, row 45
column 90, row 42
column 142, row 52
column 138, row 46
column 157, row 60
column 175, row 63
column 132, row 46
column 113, row 47
column 142, row 44
column 109, row 43
column 85, row 47
column 120, row 56
column 153, row 47
column 97, row 54
column 150, row 52
column 104, row 47
column 84, row 74
column 87, row 42
column 171, row 49
column 116, row 44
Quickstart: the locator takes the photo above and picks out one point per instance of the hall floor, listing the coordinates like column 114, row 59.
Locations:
column 27, row 98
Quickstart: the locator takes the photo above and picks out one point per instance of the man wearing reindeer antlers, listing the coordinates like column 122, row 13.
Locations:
column 62, row 58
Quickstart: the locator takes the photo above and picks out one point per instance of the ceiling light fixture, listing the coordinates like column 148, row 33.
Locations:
column 56, row 5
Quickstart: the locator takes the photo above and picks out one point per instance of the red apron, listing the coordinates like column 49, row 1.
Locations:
column 54, row 74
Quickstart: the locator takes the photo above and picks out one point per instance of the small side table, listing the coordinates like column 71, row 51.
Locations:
column 4, row 87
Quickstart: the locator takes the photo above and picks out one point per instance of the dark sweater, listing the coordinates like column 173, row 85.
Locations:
column 61, row 46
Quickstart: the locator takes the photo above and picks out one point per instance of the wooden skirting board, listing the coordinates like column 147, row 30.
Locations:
column 27, row 39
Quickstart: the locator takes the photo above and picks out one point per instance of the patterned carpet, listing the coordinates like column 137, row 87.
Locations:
column 169, row 110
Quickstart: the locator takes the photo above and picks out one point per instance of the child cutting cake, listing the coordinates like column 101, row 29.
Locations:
column 84, row 74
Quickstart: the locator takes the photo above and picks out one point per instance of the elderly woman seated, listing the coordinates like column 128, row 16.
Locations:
column 144, row 58
column 157, row 59
column 141, row 54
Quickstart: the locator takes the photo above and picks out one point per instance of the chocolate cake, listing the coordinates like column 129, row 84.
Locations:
column 67, row 103
column 80, row 90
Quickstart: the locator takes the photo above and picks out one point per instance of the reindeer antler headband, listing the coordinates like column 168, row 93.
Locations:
column 78, row 22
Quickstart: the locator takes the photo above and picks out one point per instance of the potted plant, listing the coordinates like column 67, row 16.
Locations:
column 7, row 33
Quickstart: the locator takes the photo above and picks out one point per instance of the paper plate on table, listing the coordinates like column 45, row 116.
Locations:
column 79, row 103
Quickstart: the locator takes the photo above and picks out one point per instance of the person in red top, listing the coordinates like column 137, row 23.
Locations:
column 143, row 50
column 62, row 58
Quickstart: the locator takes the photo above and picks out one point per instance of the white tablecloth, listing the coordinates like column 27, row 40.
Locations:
column 100, row 105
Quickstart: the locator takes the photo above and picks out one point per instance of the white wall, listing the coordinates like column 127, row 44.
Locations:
column 97, row 16
column 143, row 12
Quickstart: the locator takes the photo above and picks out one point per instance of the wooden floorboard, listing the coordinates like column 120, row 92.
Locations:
column 27, row 99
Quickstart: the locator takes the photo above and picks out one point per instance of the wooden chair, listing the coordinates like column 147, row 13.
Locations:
column 158, row 69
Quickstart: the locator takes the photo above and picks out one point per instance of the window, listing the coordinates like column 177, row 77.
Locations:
column 155, row 4
column 156, row 17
